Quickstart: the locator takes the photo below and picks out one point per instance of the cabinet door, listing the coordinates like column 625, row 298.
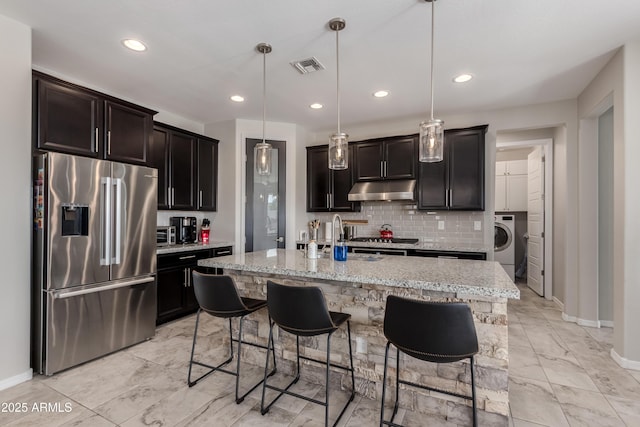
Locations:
column 400, row 158
column 466, row 168
column 341, row 183
column 517, row 193
column 159, row 158
column 171, row 294
column 517, row 167
column 318, row 179
column 432, row 185
column 128, row 131
column 369, row 157
column 207, row 174
column 182, row 171
column 501, row 167
column 68, row 119
column 501, row 193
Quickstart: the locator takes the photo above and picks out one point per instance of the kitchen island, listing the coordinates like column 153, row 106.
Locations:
column 360, row 286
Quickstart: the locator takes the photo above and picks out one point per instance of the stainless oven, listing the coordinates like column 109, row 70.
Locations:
column 380, row 251
column 165, row 235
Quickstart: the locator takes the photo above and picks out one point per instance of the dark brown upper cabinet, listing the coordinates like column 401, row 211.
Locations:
column 386, row 158
column 327, row 189
column 457, row 182
column 76, row 120
column 187, row 166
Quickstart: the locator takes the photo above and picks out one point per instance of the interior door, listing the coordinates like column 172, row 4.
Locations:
column 265, row 221
column 535, row 221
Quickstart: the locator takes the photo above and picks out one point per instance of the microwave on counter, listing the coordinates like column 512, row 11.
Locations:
column 165, row 235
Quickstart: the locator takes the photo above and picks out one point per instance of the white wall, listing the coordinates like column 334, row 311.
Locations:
column 626, row 342
column 16, row 190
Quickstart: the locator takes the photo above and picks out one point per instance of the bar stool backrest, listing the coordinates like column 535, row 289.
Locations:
column 431, row 331
column 217, row 295
column 299, row 310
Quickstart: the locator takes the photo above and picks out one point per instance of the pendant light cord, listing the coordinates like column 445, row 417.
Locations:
column 433, row 21
column 338, row 77
column 264, row 94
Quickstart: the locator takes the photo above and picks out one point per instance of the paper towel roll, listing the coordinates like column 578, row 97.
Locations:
column 328, row 230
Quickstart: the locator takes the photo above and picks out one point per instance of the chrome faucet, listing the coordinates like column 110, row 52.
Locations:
column 333, row 232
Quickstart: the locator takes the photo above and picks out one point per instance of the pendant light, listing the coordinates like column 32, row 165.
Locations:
column 339, row 141
column 431, row 131
column 262, row 150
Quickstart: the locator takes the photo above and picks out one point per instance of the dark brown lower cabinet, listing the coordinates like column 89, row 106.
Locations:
column 176, row 297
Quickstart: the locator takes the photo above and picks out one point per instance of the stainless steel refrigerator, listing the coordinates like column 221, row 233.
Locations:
column 94, row 259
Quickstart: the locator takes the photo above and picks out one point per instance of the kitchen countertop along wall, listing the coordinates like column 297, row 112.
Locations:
column 170, row 249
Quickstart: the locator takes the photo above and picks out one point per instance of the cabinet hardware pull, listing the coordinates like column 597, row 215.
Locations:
column 327, row 202
column 184, row 277
column 381, row 170
column 385, row 168
column 223, row 253
column 96, row 141
column 173, row 196
column 187, row 257
column 200, row 201
column 169, row 196
column 109, row 142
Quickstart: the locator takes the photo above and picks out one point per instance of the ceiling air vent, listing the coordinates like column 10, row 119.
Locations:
column 308, row 65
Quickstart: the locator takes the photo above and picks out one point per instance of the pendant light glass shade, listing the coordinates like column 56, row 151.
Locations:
column 431, row 140
column 339, row 151
column 262, row 150
column 339, row 141
column 262, row 155
column 432, row 131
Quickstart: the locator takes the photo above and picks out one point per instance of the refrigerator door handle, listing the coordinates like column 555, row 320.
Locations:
column 105, row 238
column 117, row 183
column 63, row 295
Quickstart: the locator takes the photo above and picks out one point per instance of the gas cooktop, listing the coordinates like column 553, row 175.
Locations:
column 381, row 240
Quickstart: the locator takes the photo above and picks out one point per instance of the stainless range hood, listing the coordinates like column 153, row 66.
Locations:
column 402, row 189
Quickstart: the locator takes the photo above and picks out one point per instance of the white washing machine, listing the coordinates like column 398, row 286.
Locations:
column 503, row 243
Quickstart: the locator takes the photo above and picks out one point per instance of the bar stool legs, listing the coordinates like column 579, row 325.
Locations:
column 219, row 367
column 327, row 363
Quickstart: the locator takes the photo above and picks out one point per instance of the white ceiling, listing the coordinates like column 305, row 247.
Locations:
column 202, row 51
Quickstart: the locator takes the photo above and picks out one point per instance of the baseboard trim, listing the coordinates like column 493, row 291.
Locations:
column 558, row 303
column 581, row 322
column 15, row 380
column 625, row 363
column 606, row 323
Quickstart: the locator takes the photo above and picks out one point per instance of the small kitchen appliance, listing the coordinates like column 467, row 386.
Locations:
column 165, row 235
column 186, row 228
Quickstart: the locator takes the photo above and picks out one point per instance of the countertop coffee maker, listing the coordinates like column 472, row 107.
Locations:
column 186, row 228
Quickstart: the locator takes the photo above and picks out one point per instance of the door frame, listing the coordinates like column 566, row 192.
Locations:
column 547, row 145
column 281, row 146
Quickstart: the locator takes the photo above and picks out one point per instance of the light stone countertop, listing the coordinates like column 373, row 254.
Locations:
column 466, row 277
column 213, row 244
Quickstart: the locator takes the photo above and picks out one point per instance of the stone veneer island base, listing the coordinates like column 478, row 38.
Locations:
column 360, row 287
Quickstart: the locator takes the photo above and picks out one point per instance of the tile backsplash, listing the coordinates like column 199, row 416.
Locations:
column 408, row 222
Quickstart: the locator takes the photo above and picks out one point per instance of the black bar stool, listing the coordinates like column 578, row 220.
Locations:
column 218, row 296
column 430, row 331
column 302, row 311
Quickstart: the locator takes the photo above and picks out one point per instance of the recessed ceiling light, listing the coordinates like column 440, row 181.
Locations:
column 381, row 93
column 134, row 44
column 316, row 106
column 462, row 78
column 236, row 98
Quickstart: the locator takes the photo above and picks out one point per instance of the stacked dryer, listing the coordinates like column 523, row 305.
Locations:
column 503, row 244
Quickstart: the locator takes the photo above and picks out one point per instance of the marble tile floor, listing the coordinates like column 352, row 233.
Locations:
column 561, row 374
